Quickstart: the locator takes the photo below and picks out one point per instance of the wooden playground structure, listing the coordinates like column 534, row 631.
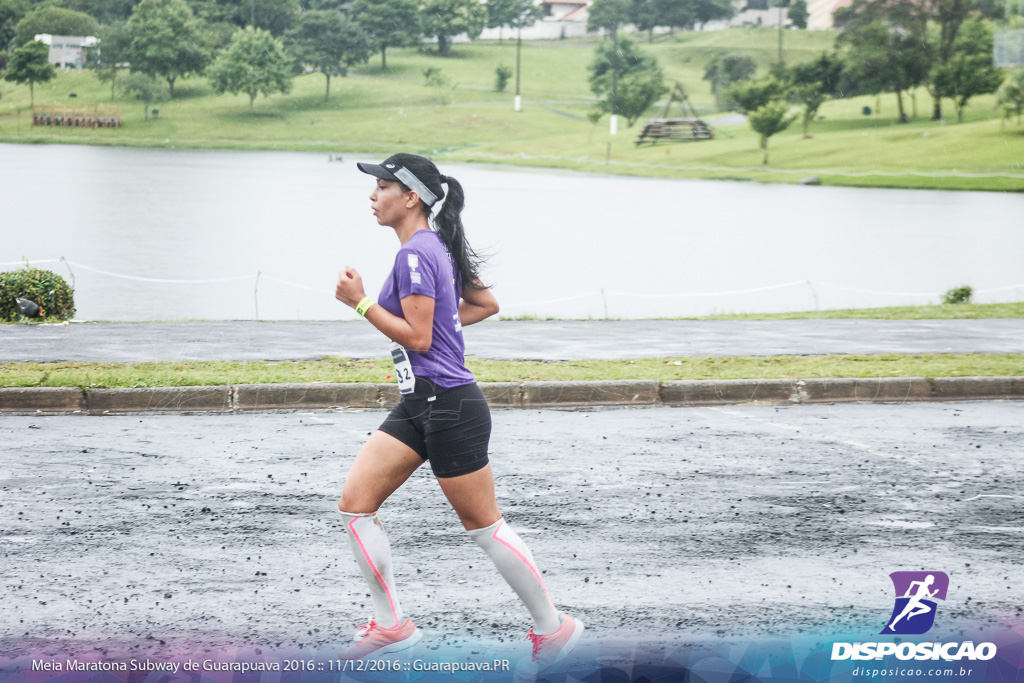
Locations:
column 83, row 117
column 687, row 129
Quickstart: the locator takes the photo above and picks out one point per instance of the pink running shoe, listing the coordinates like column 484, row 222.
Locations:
column 553, row 647
column 373, row 639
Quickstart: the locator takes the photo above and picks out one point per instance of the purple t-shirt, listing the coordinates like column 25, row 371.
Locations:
column 423, row 266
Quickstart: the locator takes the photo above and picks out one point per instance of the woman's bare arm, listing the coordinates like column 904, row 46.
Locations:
column 476, row 305
column 415, row 331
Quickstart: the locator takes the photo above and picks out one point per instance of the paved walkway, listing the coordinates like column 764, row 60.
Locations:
column 153, row 536
column 536, row 340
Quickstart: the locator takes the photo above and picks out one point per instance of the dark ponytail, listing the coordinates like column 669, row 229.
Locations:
column 448, row 225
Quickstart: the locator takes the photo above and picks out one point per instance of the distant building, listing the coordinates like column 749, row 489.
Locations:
column 559, row 19
column 565, row 10
column 68, row 52
column 760, row 13
column 820, row 12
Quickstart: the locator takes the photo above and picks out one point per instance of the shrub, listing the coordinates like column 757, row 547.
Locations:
column 46, row 288
column 502, row 74
column 435, row 78
column 958, row 295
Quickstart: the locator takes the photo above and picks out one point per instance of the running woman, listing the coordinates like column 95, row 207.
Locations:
column 433, row 290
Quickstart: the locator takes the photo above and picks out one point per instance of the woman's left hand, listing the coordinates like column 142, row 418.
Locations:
column 350, row 287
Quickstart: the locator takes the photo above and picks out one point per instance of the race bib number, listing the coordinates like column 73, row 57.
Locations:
column 403, row 369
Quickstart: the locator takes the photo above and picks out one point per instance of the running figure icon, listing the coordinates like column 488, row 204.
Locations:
column 914, row 605
column 917, row 594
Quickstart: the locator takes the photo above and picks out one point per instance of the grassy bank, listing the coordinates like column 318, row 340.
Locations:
column 928, row 312
column 374, row 111
column 935, row 312
column 662, row 369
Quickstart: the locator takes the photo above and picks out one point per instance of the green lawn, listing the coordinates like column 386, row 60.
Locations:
column 377, row 111
column 209, row 373
column 933, row 312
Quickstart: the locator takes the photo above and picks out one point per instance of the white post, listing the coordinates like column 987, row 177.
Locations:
column 519, row 103
column 614, row 124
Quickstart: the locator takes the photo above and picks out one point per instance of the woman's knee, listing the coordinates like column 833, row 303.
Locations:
column 356, row 503
column 479, row 519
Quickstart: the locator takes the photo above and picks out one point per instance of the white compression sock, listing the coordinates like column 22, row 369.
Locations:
column 515, row 563
column 373, row 555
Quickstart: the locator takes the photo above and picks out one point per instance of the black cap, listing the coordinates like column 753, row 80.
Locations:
column 415, row 172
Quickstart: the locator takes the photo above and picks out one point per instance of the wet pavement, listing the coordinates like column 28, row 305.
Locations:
column 535, row 340
column 157, row 534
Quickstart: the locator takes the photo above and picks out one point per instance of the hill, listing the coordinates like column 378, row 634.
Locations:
column 381, row 111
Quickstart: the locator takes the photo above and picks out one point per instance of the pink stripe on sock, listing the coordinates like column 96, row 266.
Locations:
column 522, row 558
column 352, row 528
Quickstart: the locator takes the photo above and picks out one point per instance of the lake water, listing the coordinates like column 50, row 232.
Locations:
column 183, row 234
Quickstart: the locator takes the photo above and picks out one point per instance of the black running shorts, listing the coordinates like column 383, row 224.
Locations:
column 449, row 427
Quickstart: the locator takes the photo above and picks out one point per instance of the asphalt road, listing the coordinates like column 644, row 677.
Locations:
column 153, row 535
column 535, row 340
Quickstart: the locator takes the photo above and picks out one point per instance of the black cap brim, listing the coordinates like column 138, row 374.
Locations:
column 377, row 171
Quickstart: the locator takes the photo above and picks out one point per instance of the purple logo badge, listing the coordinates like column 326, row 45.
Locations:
column 916, row 596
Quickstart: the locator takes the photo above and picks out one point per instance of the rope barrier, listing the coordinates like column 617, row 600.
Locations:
column 997, row 289
column 600, row 293
column 555, row 301
column 26, row 263
column 321, row 290
column 161, row 280
column 738, row 291
column 871, row 291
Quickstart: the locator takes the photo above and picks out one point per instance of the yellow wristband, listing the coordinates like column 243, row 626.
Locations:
column 363, row 306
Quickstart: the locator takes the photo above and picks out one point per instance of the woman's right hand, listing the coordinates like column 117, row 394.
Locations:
column 349, row 289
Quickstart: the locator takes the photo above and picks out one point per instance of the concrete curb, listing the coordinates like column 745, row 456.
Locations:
column 158, row 400
column 319, row 396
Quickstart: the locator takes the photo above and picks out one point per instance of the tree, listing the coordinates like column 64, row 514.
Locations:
column 501, row 13
column 637, row 76
column 448, row 18
column 949, row 15
column 389, row 23
column 726, row 69
column 516, row 14
column 638, row 92
column 30, row 64
column 11, row 12
column 55, row 21
column 329, row 42
column 112, row 52
column 254, row 63
column 969, row 71
column 165, row 40
column 750, row 97
column 608, row 15
column 768, row 120
column 103, row 11
column 275, row 16
column 814, row 82
column 885, row 41
column 713, row 10
column 676, row 14
column 1011, row 95
column 146, row 88
column 646, row 16
column 797, row 13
